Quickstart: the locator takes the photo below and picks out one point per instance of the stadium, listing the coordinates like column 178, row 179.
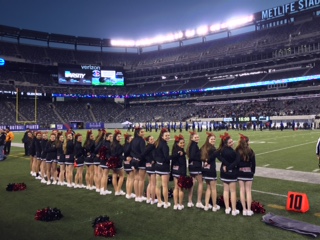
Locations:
column 258, row 75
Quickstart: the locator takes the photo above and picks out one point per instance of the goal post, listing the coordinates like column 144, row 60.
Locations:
column 35, row 109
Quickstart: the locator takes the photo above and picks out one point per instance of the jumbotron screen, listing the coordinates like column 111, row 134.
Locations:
column 90, row 75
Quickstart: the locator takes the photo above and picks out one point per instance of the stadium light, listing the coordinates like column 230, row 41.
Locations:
column 190, row 33
column 215, row 28
column 202, row 30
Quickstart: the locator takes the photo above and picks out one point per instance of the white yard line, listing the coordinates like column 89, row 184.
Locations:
column 316, row 170
column 289, row 167
column 267, row 165
column 268, row 193
column 277, row 150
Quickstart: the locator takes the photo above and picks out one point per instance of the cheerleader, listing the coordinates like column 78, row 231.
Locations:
column 51, row 156
column 68, row 150
column 209, row 173
column 127, row 166
column 137, row 148
column 37, row 160
column 117, row 153
column 43, row 167
column 96, row 160
column 228, row 172
column 89, row 147
column 31, row 152
column 78, row 161
column 195, row 165
column 61, row 159
column 179, row 168
column 162, row 159
column 104, row 154
column 150, row 169
column 247, row 167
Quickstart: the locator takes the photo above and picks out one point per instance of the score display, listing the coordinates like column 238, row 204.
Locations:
column 89, row 75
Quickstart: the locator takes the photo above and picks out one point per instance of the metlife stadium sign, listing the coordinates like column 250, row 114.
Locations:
column 287, row 9
column 2, row 62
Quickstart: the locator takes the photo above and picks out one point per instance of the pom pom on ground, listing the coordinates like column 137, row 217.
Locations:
column 257, row 207
column 103, row 227
column 14, row 187
column 48, row 214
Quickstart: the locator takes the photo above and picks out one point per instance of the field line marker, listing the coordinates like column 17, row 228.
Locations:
column 316, row 170
column 267, row 165
column 277, row 150
column 268, row 193
column 289, row 167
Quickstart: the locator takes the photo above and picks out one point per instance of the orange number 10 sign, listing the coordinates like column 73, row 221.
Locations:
column 297, row 202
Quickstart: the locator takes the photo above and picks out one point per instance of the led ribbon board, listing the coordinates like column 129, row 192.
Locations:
column 2, row 62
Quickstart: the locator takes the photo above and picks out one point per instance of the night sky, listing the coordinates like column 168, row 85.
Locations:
column 126, row 19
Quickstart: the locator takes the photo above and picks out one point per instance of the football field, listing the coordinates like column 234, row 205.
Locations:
column 289, row 151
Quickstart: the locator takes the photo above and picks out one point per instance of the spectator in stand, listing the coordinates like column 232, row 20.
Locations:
column 2, row 143
column 9, row 139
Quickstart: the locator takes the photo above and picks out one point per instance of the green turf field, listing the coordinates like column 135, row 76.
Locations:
column 281, row 150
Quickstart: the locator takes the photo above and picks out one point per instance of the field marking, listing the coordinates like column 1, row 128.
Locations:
column 268, row 193
column 289, row 167
column 316, row 170
column 317, row 214
column 267, row 165
column 277, row 150
column 276, row 206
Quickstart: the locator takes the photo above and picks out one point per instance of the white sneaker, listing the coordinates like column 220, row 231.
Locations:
column 49, row 182
column 159, row 205
column 108, row 192
column 180, row 207
column 102, row 192
column 199, row 205
column 69, row 185
column 87, row 187
column 206, row 208
column 73, row 184
column 214, row 209
column 76, row 186
column 133, row 195
column 210, row 206
column 148, row 200
column 235, row 212
column 250, row 213
column 33, row 174
column 39, row 177
column 244, row 213
column 143, row 198
column 93, row 187
column 117, row 193
column 43, row 180
column 97, row 189
column 138, row 199
column 54, row 182
column 122, row 193
column 166, row 205
column 190, row 204
column 227, row 210
column 128, row 196
column 82, row 186
column 176, row 207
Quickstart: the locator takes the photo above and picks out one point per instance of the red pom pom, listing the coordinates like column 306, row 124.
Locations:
column 257, row 207
column 185, row 182
column 105, row 229
column 113, row 162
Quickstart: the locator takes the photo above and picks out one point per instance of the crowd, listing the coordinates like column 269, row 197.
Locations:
column 95, row 111
column 55, row 156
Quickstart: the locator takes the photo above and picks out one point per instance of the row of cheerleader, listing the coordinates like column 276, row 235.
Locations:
column 143, row 156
